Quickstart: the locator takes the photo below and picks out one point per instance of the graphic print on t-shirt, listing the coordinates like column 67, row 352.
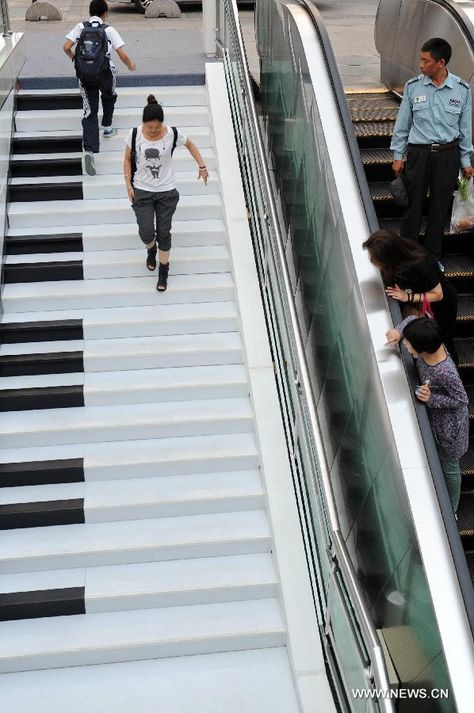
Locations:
column 153, row 162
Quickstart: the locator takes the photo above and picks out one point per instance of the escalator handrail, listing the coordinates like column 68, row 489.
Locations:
column 340, row 552
column 455, row 544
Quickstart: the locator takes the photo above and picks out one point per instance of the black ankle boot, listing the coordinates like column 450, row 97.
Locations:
column 162, row 277
column 151, row 258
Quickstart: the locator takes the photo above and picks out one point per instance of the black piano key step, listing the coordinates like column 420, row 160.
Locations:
column 28, row 192
column 44, row 243
column 42, row 603
column 42, row 514
column 41, row 398
column 44, row 472
column 29, row 168
column 45, row 102
column 46, row 144
column 43, row 271
column 45, row 331
column 50, row 363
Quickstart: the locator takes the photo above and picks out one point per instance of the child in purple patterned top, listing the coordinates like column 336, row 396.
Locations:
column 443, row 393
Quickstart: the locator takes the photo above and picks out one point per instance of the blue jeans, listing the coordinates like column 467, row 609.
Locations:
column 452, row 476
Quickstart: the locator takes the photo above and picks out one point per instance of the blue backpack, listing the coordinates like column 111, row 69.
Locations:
column 91, row 58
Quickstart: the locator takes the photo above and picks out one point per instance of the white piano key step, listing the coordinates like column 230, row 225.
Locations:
column 180, row 582
column 121, row 237
column 258, row 680
column 172, row 496
column 44, row 214
column 139, row 498
column 133, row 541
column 136, row 97
column 131, row 263
column 109, row 388
column 132, row 635
column 136, row 421
column 116, row 292
column 126, row 118
column 96, row 188
column 149, row 458
column 143, row 321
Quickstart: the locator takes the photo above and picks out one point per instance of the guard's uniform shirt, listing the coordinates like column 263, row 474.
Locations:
column 434, row 115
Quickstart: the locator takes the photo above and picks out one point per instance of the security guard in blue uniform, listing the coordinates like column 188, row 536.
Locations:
column 431, row 140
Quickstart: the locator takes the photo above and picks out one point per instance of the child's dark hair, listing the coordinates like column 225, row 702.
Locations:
column 438, row 49
column 423, row 334
column 153, row 111
column 98, row 8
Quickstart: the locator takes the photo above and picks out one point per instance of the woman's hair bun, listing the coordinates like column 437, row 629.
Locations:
column 151, row 99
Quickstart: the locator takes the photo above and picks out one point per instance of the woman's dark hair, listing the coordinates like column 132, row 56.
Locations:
column 393, row 253
column 97, row 8
column 153, row 111
column 438, row 49
column 423, row 334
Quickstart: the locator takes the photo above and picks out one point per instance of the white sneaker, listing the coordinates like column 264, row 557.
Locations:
column 89, row 164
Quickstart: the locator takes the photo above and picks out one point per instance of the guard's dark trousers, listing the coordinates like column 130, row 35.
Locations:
column 434, row 173
column 90, row 100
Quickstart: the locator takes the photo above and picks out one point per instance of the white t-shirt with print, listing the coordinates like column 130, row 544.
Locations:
column 154, row 165
column 115, row 41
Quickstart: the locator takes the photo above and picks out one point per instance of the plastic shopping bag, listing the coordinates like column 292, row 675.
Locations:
column 462, row 217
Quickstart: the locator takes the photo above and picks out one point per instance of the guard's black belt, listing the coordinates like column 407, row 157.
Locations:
column 436, row 147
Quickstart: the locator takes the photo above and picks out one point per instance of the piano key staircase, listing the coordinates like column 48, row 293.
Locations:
column 133, row 502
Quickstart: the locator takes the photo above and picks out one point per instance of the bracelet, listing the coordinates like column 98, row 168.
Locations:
column 202, row 168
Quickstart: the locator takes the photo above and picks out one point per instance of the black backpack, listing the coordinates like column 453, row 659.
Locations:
column 90, row 59
column 133, row 150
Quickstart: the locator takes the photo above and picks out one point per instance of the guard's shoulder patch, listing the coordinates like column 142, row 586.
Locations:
column 464, row 83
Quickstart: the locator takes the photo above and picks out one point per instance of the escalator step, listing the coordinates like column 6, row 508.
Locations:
column 458, row 266
column 465, row 349
column 379, row 157
column 380, row 191
column 465, row 308
column 453, row 242
column 470, row 393
column 373, row 107
column 466, row 514
column 373, row 135
column 467, row 464
column 470, row 562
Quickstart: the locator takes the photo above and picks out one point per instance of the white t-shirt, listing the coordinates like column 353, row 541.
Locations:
column 154, row 165
column 115, row 41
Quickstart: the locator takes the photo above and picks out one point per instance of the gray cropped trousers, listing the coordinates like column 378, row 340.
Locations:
column 154, row 212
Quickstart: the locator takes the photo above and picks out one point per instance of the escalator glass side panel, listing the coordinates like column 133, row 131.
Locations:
column 365, row 471
column 376, row 115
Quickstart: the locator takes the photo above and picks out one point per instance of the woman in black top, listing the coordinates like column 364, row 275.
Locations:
column 412, row 274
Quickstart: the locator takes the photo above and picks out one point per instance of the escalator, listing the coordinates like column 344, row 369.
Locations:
column 373, row 116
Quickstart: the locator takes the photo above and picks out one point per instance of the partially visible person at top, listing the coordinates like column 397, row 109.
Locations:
column 105, row 84
column 431, row 141
column 442, row 391
column 152, row 189
column 410, row 273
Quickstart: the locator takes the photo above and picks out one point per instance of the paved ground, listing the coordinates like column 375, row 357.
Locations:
column 165, row 46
